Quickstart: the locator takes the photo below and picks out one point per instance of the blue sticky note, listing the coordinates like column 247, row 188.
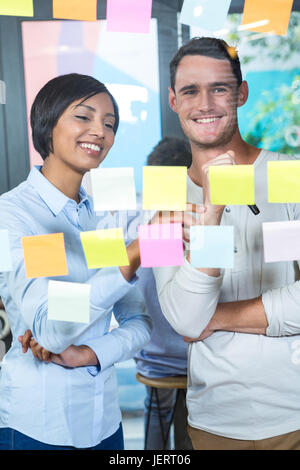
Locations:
column 212, row 246
column 206, row 14
column 5, row 255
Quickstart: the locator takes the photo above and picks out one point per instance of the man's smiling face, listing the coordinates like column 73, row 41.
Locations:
column 206, row 98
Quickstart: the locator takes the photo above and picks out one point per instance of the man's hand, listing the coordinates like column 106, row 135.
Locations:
column 205, row 334
column 73, row 356
column 214, row 212
column 193, row 215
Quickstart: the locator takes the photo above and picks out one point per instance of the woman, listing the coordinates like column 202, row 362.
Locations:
column 44, row 405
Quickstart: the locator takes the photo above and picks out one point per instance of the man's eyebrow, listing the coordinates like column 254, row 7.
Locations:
column 192, row 86
column 90, row 108
column 220, row 84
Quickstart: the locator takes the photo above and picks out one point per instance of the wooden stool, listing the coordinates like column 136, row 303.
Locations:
column 179, row 383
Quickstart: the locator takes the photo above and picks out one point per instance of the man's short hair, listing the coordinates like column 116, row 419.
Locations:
column 54, row 98
column 209, row 47
column 171, row 151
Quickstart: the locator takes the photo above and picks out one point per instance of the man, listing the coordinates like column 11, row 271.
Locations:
column 243, row 390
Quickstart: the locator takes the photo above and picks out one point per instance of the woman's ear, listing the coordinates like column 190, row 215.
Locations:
column 243, row 93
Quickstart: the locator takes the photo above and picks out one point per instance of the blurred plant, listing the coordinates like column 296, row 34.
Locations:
column 275, row 119
column 276, row 47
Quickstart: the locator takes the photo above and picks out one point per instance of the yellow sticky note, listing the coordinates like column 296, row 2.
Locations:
column 45, row 255
column 284, row 181
column 104, row 248
column 231, row 184
column 164, row 188
column 16, row 7
column 267, row 16
column 75, row 9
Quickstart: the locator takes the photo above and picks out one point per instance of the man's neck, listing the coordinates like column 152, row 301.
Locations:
column 245, row 154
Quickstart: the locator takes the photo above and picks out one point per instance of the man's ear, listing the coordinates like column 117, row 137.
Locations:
column 172, row 100
column 243, row 93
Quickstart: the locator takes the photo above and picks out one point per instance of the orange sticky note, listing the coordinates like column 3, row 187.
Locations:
column 267, row 16
column 45, row 255
column 75, row 9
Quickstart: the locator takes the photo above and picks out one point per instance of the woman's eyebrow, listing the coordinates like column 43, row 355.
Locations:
column 93, row 109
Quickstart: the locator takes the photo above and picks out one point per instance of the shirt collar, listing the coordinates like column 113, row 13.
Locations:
column 52, row 196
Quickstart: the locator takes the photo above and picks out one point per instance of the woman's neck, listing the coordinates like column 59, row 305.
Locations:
column 66, row 180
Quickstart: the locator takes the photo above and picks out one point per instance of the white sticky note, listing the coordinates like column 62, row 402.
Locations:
column 69, row 301
column 5, row 254
column 206, row 14
column 113, row 189
column 281, row 241
column 212, row 246
column 2, row 92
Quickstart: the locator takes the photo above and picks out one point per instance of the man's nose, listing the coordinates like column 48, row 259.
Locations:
column 204, row 101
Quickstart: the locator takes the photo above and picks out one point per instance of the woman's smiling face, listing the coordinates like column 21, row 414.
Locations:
column 84, row 133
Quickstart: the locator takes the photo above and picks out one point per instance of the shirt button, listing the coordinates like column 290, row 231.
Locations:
column 228, row 209
column 235, row 249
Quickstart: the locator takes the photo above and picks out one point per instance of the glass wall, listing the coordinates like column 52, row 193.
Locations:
column 126, row 63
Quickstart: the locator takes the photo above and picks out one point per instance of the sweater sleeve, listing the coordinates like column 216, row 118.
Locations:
column 188, row 297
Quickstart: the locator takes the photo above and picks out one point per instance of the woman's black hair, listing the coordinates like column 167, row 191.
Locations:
column 54, row 98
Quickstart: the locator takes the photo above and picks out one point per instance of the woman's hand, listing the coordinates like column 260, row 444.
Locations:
column 73, row 356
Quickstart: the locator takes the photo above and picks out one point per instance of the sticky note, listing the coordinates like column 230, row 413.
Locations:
column 113, row 189
column 164, row 188
column 206, row 14
column 132, row 16
column 5, row 253
column 75, row 9
column 283, row 181
column 281, row 241
column 104, row 248
column 267, row 16
column 231, row 184
column 69, row 301
column 212, row 246
column 16, row 7
column 2, row 92
column 161, row 245
column 45, row 255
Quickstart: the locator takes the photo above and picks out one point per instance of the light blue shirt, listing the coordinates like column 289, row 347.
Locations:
column 45, row 401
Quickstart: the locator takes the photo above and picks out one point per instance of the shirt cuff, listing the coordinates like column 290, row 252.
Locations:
column 108, row 351
column 193, row 279
column 272, row 304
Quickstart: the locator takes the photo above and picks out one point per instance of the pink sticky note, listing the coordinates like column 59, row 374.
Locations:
column 128, row 16
column 161, row 245
column 281, row 241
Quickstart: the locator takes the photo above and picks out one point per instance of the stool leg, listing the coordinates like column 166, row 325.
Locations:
column 148, row 419
column 172, row 418
column 164, row 440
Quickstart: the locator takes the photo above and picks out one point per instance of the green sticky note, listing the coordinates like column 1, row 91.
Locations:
column 164, row 188
column 103, row 248
column 16, row 7
column 231, row 184
column 284, row 181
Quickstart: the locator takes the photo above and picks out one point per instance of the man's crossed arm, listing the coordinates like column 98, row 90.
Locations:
column 243, row 316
